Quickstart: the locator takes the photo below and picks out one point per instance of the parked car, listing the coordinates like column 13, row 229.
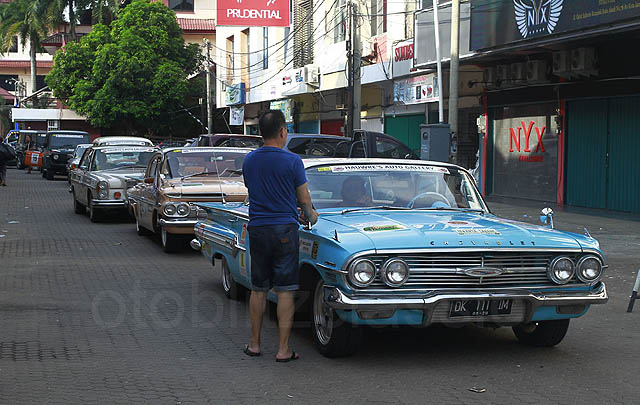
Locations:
column 101, row 180
column 175, row 179
column 401, row 242
column 26, row 139
column 75, row 159
column 230, row 140
column 57, row 151
column 11, row 139
column 361, row 144
column 122, row 140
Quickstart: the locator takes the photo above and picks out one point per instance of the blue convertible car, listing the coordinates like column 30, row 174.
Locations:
column 413, row 243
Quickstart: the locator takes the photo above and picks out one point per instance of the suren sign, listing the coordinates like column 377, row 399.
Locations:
column 256, row 13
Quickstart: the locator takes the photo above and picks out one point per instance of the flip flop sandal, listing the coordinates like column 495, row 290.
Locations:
column 249, row 352
column 294, row 356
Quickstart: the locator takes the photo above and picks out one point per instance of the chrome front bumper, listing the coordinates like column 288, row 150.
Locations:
column 336, row 299
column 109, row 203
column 181, row 222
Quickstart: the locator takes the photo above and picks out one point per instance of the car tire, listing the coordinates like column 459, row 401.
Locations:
column 333, row 337
column 49, row 174
column 140, row 229
column 542, row 333
column 77, row 207
column 231, row 288
column 94, row 213
column 170, row 242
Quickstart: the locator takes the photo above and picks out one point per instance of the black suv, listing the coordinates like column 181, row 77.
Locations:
column 59, row 147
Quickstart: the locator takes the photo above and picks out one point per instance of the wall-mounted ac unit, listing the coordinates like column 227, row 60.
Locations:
column 518, row 73
column 311, row 74
column 583, row 61
column 561, row 65
column 503, row 75
column 536, row 71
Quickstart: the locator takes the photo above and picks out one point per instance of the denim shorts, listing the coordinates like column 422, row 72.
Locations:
column 274, row 257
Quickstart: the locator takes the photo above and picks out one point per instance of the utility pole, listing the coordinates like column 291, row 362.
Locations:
column 453, row 75
column 209, row 109
column 353, row 48
column 436, row 27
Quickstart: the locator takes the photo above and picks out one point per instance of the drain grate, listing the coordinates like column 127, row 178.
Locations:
column 34, row 351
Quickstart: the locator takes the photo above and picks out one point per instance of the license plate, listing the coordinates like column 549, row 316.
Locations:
column 480, row 307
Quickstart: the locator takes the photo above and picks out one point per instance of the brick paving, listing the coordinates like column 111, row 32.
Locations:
column 95, row 313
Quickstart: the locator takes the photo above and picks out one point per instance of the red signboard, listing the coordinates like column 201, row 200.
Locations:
column 257, row 13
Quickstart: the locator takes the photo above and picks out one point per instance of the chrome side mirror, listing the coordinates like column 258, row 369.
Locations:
column 546, row 217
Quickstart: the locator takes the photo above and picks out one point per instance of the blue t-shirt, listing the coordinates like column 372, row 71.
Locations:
column 272, row 176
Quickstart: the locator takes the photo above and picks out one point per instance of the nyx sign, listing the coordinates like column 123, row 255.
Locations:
column 524, row 130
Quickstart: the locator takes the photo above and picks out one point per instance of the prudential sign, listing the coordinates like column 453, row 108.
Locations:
column 256, row 13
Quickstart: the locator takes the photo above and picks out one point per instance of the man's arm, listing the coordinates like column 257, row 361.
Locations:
column 305, row 204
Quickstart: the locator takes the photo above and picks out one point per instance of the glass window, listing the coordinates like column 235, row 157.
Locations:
column 205, row 162
column 181, row 5
column 66, row 141
column 86, row 159
column 122, row 158
column 395, row 185
column 319, row 147
column 390, row 148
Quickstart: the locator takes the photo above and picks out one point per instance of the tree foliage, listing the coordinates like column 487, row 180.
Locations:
column 130, row 75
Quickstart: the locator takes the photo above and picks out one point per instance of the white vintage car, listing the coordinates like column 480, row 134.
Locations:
column 104, row 174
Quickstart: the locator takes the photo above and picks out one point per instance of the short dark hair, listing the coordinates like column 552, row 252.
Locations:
column 270, row 123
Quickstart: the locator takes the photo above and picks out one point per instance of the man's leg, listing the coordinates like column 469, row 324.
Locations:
column 256, row 311
column 285, row 320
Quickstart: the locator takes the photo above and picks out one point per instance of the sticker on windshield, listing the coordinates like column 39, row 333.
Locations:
column 379, row 226
column 389, row 168
column 114, row 143
column 324, row 169
column 128, row 150
column 476, row 231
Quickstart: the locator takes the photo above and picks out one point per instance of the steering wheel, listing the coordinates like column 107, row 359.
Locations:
column 432, row 194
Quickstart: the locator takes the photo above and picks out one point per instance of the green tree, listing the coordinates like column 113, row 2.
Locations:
column 28, row 20
column 131, row 75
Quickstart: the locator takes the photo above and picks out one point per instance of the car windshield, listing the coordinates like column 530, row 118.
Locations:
column 111, row 159
column 66, row 141
column 392, row 186
column 41, row 140
column 241, row 143
column 319, row 147
column 205, row 161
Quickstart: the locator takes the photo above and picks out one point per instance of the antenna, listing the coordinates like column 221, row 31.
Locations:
column 215, row 160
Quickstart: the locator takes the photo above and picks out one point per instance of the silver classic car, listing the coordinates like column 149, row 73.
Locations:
column 104, row 174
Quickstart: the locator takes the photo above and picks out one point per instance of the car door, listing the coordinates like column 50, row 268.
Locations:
column 80, row 176
column 149, row 193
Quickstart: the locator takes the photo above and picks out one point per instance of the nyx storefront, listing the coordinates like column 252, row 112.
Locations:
column 560, row 108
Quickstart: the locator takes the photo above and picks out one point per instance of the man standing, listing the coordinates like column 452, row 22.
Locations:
column 277, row 186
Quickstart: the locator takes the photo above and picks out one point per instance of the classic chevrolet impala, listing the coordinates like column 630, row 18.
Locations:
column 413, row 243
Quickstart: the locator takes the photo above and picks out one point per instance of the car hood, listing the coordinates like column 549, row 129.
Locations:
column 420, row 229
column 206, row 188
column 121, row 178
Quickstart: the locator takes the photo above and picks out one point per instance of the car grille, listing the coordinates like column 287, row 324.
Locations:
column 446, row 270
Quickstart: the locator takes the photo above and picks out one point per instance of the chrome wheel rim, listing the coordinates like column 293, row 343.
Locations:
column 322, row 316
column 226, row 277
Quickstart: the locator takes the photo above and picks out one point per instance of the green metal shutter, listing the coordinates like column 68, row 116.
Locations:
column 623, row 183
column 586, row 142
column 406, row 129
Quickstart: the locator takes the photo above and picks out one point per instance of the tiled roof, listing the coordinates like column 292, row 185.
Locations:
column 24, row 64
column 5, row 93
column 197, row 24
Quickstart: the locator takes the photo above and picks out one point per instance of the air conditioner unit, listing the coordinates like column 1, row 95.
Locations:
column 489, row 77
column 311, row 74
column 561, row 64
column 583, row 61
column 518, row 72
column 503, row 75
column 536, row 71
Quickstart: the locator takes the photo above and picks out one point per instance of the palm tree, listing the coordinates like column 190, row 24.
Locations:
column 28, row 20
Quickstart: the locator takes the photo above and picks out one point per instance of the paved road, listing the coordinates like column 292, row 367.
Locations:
column 94, row 313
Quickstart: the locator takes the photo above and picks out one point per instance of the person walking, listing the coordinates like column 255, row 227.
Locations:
column 277, row 185
column 3, row 164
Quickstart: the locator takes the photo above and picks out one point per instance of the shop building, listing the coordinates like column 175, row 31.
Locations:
column 561, row 101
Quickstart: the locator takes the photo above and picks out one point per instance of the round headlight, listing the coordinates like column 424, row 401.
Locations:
column 362, row 272
column 183, row 209
column 561, row 270
column 169, row 209
column 589, row 269
column 56, row 157
column 395, row 272
column 103, row 189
